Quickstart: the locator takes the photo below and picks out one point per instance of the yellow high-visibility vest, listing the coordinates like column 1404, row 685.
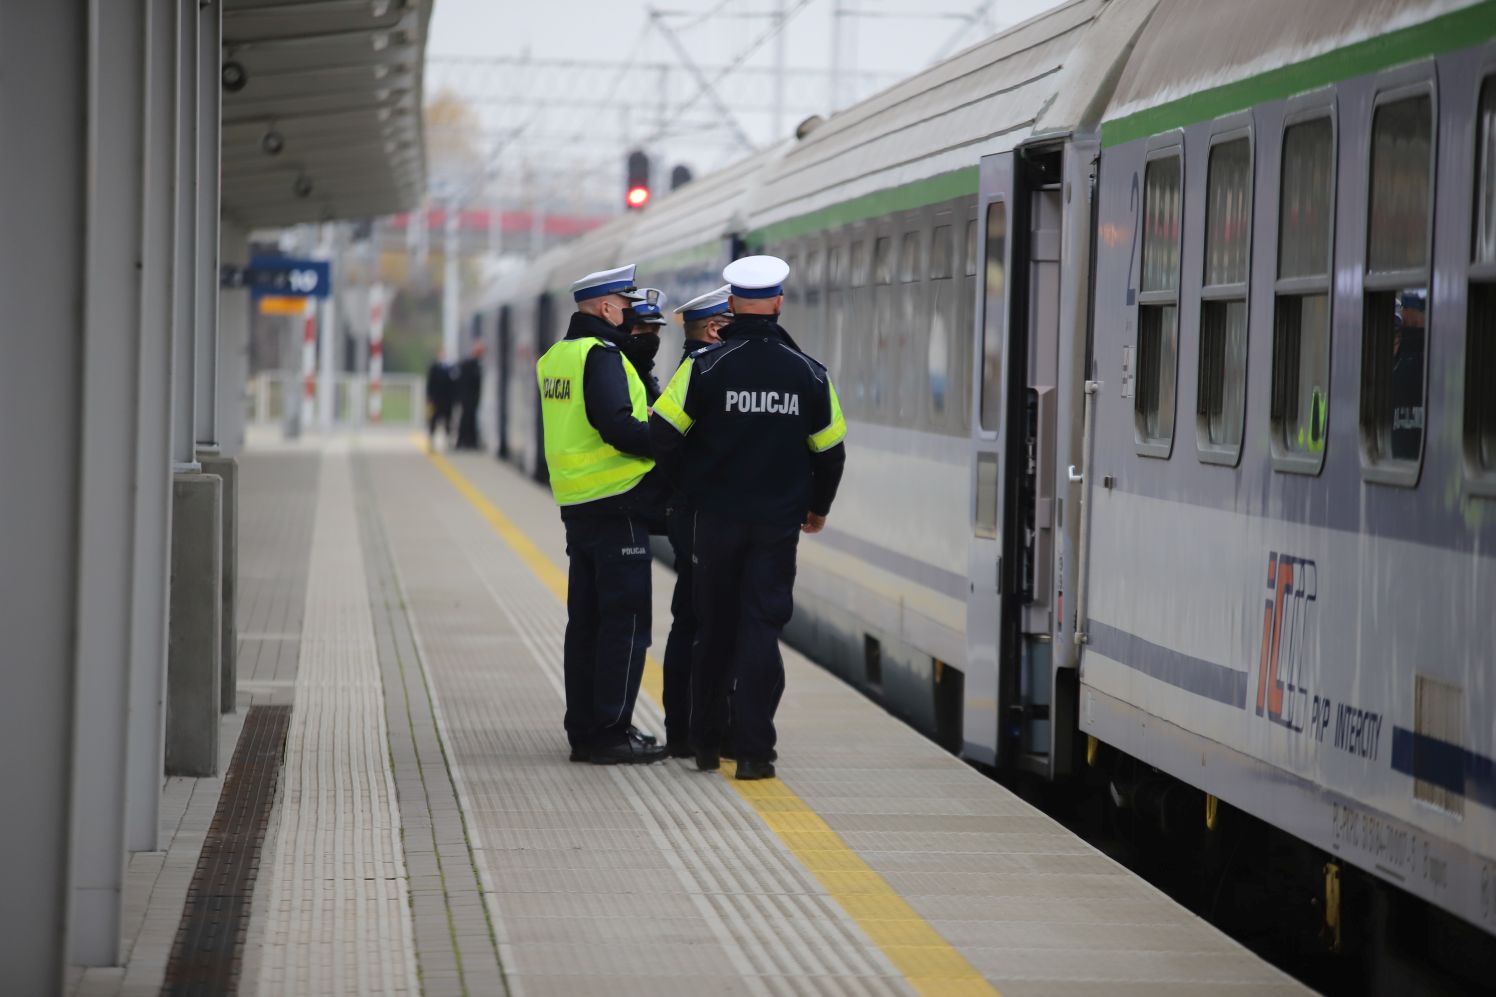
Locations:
column 583, row 467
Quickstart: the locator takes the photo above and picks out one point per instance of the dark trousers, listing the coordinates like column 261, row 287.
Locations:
column 682, row 631
column 744, row 595
column 467, row 426
column 441, row 415
column 607, row 626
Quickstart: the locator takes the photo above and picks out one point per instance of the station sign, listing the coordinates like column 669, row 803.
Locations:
column 276, row 304
column 280, row 276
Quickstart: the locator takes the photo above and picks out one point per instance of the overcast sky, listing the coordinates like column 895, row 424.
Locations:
column 602, row 28
column 716, row 33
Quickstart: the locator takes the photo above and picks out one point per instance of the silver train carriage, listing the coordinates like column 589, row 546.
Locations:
column 1020, row 266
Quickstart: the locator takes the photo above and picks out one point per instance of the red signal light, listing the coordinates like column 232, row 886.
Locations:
column 638, row 197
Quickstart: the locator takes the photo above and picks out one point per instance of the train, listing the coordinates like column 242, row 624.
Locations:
column 1166, row 335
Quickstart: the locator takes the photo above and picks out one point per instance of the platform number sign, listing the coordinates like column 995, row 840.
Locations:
column 281, row 276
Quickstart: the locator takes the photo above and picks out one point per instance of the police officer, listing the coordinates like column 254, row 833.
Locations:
column 643, row 344
column 703, row 317
column 598, row 451
column 755, row 429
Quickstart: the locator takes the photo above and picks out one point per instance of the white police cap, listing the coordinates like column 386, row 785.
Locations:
column 705, row 305
column 756, row 276
column 619, row 280
column 649, row 306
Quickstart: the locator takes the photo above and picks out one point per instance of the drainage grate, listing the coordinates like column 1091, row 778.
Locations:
column 206, row 956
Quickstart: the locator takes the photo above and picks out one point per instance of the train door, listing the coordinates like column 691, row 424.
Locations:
column 980, row 709
column 1026, row 683
column 505, row 350
column 1011, row 554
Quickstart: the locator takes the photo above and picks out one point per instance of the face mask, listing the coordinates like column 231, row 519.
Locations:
column 626, row 320
column 641, row 348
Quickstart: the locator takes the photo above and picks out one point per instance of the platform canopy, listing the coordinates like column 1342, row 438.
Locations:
column 322, row 109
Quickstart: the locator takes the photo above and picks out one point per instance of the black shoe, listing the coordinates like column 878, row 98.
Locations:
column 629, row 752
column 580, row 753
column 642, row 735
column 708, row 761
column 749, row 769
column 679, row 749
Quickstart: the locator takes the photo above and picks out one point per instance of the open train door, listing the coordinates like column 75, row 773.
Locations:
column 980, row 724
column 1013, row 595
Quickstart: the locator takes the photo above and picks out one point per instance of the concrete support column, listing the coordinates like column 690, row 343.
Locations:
column 193, row 689
column 44, row 44
column 226, row 469
column 153, row 506
column 107, row 458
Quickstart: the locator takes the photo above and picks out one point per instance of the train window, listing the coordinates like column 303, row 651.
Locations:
column 1301, row 305
column 940, row 252
column 1158, row 306
column 963, row 341
column 909, row 333
column 883, row 260
column 859, row 263
column 909, row 258
column 810, row 300
column 836, row 298
column 993, row 314
column 986, row 511
column 1480, row 327
column 938, row 351
column 1395, row 318
column 1221, row 396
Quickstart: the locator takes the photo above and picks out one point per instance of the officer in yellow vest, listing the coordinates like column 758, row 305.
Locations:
column 597, row 448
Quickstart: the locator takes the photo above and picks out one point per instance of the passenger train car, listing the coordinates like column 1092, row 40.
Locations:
column 1166, row 333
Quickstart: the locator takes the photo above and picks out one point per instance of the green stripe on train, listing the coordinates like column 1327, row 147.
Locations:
column 1455, row 30
column 945, row 187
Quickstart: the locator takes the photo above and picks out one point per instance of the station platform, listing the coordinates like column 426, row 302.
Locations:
column 428, row 834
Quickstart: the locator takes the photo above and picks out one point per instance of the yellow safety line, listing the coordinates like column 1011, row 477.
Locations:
column 930, row 963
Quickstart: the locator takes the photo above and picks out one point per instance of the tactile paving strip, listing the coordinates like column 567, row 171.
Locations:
column 207, row 953
column 338, row 915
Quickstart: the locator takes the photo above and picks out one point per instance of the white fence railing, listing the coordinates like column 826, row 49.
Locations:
column 403, row 398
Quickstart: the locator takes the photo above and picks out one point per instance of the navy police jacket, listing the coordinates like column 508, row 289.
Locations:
column 751, row 428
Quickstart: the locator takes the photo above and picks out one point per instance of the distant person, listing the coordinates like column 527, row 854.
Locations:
column 1409, row 332
column 469, row 391
column 703, row 317
column 755, row 430
column 647, row 318
column 440, row 393
column 595, row 418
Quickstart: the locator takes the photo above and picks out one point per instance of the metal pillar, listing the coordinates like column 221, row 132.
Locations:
column 233, row 343
column 153, row 507
column 450, row 278
column 184, row 284
column 107, row 448
column 205, row 276
column 328, row 314
column 41, row 284
column 308, row 406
